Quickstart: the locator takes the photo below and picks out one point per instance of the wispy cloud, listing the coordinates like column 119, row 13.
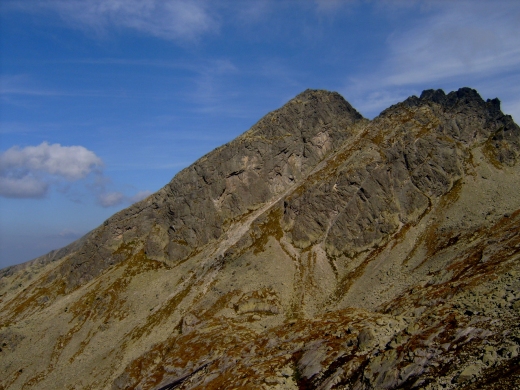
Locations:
column 140, row 196
column 12, row 86
column 249, row 12
column 473, row 43
column 477, row 38
column 332, row 6
column 111, row 199
column 210, row 89
column 179, row 20
column 69, row 234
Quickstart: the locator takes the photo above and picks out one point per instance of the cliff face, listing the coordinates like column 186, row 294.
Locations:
column 316, row 250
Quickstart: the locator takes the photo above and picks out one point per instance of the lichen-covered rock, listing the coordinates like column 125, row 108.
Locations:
column 468, row 373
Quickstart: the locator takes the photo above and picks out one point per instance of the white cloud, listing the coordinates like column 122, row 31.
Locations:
column 27, row 172
column 182, row 20
column 22, row 187
column 70, row 162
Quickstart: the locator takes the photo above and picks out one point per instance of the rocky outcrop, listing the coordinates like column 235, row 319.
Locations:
column 406, row 160
column 317, row 250
column 201, row 201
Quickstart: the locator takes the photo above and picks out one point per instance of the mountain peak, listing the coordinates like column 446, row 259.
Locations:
column 463, row 97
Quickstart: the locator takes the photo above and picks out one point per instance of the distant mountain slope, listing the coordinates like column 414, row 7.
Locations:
column 317, row 250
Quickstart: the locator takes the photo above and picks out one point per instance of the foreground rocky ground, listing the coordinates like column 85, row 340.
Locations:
column 317, row 250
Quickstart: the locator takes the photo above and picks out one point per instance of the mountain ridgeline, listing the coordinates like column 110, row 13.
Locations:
column 319, row 249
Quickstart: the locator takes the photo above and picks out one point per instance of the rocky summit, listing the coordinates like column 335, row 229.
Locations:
column 318, row 250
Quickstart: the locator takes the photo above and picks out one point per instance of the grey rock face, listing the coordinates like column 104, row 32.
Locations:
column 388, row 180
column 201, row 201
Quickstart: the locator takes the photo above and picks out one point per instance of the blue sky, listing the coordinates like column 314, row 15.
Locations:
column 103, row 101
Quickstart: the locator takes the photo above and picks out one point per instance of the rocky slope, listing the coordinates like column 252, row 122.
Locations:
column 317, row 250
